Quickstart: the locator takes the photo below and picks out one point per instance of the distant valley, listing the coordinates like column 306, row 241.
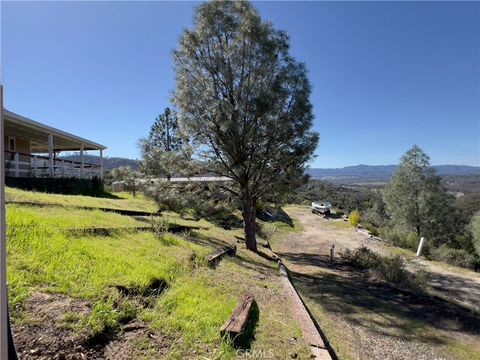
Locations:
column 379, row 173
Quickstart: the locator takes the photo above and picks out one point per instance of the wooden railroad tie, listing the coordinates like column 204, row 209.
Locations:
column 235, row 326
column 215, row 257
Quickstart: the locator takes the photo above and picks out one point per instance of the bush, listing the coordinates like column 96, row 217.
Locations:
column 362, row 258
column 372, row 229
column 400, row 238
column 455, row 257
column 389, row 268
column 339, row 212
column 160, row 225
column 392, row 269
column 354, row 218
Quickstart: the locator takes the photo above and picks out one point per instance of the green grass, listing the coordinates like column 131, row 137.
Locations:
column 58, row 217
column 190, row 311
column 121, row 200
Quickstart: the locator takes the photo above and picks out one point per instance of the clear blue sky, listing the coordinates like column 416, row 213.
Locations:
column 385, row 75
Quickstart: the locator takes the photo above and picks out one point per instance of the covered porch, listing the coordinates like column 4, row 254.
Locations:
column 34, row 150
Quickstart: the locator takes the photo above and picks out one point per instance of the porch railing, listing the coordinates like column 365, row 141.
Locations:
column 19, row 164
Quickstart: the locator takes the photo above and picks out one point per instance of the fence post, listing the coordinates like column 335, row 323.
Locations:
column 420, row 246
column 332, row 252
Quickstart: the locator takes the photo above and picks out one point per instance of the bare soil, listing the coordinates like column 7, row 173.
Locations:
column 47, row 335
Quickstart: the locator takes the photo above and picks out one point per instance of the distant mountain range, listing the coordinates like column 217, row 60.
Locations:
column 108, row 162
column 380, row 173
column 346, row 175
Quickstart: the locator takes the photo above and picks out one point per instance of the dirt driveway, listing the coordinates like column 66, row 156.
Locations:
column 368, row 319
column 318, row 235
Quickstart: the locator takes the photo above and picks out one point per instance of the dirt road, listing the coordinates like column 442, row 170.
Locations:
column 371, row 320
column 318, row 235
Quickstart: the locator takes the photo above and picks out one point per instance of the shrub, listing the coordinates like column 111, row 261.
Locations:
column 400, row 238
column 389, row 268
column 362, row 257
column 456, row 257
column 475, row 230
column 354, row 218
column 160, row 225
column 372, row 229
column 339, row 212
column 392, row 269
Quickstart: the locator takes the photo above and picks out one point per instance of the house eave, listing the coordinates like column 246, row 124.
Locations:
column 35, row 125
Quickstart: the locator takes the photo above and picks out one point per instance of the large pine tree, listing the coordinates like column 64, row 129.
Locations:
column 244, row 99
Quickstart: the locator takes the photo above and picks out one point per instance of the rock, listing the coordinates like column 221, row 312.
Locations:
column 294, row 355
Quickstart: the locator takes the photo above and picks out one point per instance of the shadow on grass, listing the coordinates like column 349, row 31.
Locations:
column 200, row 239
column 252, row 264
column 103, row 194
column 378, row 307
column 226, row 221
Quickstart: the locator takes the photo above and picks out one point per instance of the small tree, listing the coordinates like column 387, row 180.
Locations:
column 245, row 101
column 416, row 199
column 165, row 151
column 475, row 229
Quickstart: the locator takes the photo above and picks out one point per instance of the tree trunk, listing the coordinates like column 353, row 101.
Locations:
column 248, row 213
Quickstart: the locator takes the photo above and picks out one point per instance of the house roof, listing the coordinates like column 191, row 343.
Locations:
column 37, row 133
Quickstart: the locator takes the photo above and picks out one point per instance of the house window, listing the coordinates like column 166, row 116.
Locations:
column 12, row 144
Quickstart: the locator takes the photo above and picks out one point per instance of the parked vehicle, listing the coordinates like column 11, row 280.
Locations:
column 321, row 207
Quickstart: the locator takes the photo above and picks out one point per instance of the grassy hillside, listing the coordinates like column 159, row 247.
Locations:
column 132, row 295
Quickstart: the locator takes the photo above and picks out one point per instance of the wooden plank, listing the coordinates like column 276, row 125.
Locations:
column 237, row 322
column 215, row 257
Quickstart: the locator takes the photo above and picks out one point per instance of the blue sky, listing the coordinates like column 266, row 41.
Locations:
column 385, row 75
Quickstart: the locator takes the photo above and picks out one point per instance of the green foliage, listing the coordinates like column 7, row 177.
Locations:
column 475, row 229
column 468, row 205
column 389, row 268
column 455, row 257
column 128, row 176
column 354, row 218
column 416, row 199
column 243, row 98
column 362, row 257
column 372, row 229
column 166, row 151
column 342, row 197
column 190, row 198
column 400, row 237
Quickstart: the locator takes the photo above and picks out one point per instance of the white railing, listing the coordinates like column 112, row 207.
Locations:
column 28, row 165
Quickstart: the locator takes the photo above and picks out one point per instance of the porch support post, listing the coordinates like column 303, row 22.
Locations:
column 17, row 165
column 50, row 154
column 101, row 163
column 34, row 165
column 82, row 160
